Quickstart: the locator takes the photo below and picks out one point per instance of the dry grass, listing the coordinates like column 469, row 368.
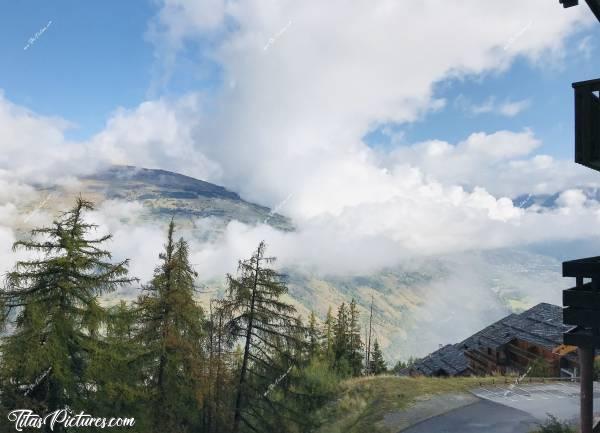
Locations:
column 363, row 402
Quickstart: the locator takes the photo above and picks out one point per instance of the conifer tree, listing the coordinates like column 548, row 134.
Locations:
column 328, row 336
column 313, row 336
column 341, row 342
column 51, row 303
column 378, row 364
column 355, row 356
column 116, row 372
column 347, row 344
column 170, row 334
column 268, row 328
column 219, row 343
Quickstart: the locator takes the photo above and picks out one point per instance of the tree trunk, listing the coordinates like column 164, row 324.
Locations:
column 238, row 401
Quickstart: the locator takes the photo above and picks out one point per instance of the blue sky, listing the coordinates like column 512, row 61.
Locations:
column 287, row 126
column 89, row 61
column 93, row 59
column 546, row 86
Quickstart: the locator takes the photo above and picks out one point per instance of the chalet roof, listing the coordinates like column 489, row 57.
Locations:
column 450, row 360
column 541, row 325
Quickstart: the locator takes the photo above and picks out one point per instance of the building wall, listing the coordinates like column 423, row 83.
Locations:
column 522, row 354
column 514, row 357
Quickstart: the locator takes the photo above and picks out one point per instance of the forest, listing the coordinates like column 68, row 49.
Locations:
column 247, row 362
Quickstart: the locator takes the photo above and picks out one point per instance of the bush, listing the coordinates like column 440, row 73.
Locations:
column 540, row 368
column 553, row 425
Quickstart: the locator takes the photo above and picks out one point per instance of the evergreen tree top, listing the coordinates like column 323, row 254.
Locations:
column 66, row 263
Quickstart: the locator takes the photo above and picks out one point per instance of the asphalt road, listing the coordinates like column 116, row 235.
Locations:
column 509, row 409
column 481, row 417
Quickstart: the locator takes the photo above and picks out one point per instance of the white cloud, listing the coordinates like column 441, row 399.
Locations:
column 586, row 47
column 506, row 108
column 295, row 118
column 502, row 162
column 156, row 134
column 132, row 237
column 33, row 146
column 511, row 109
column 289, row 122
column 7, row 258
column 571, row 199
column 292, row 126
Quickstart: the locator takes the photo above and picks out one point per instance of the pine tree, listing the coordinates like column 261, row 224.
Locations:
column 116, row 370
column 368, row 341
column 170, row 332
column 219, row 344
column 347, row 344
column 313, row 336
column 328, row 336
column 378, row 364
column 51, row 301
column 355, row 356
column 268, row 328
column 341, row 342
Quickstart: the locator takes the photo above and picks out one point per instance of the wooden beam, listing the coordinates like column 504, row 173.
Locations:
column 586, row 363
column 595, row 7
column 584, row 317
column 581, row 337
column 581, row 297
column 587, row 268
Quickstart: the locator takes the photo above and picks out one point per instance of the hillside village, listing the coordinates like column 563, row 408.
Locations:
column 530, row 343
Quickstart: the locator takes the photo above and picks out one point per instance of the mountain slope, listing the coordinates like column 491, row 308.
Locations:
column 165, row 194
column 418, row 304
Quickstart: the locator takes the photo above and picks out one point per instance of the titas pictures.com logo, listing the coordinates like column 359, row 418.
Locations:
column 25, row 418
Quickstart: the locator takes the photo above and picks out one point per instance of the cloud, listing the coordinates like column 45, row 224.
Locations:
column 586, row 47
column 33, row 146
column 156, row 134
column 7, row 259
column 292, row 124
column 296, row 115
column 503, row 163
column 291, row 128
column 507, row 108
column 511, row 109
column 571, row 199
column 133, row 237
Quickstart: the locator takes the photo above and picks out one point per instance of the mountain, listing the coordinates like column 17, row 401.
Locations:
column 418, row 304
column 549, row 201
column 164, row 194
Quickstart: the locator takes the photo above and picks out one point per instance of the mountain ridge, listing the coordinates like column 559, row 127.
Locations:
column 414, row 302
column 164, row 194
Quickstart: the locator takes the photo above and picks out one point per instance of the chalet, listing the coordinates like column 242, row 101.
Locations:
column 511, row 345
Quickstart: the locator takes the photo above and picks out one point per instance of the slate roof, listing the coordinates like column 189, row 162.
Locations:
column 450, row 359
column 541, row 325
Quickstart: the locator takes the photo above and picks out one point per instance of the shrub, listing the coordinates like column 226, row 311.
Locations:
column 540, row 368
column 553, row 425
column 597, row 368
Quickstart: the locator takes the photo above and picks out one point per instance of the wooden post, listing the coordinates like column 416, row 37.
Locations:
column 586, row 361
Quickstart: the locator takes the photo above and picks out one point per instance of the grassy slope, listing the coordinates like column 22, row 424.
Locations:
column 363, row 402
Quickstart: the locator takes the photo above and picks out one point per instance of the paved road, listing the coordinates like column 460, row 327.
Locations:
column 481, row 417
column 559, row 399
column 509, row 409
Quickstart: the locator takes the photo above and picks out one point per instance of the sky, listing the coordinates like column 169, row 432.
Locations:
column 92, row 60
column 416, row 125
column 383, row 128
column 387, row 130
